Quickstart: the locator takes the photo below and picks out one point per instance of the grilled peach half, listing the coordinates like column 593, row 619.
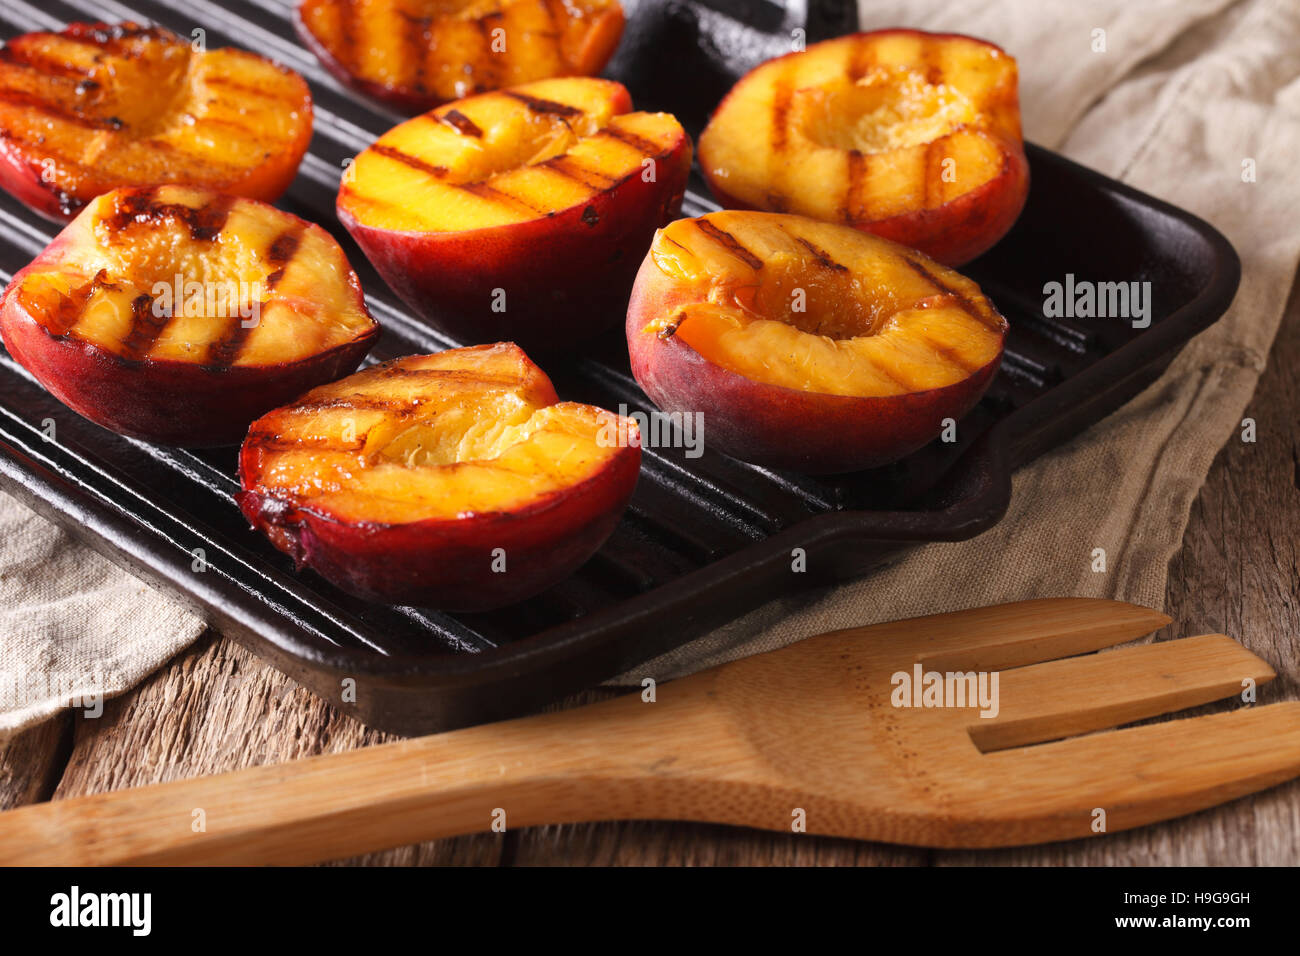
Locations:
column 96, row 107
column 912, row 136
column 179, row 315
column 519, row 215
column 456, row 480
column 807, row 346
column 414, row 54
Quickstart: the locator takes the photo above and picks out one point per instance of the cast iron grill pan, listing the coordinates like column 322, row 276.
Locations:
column 705, row 539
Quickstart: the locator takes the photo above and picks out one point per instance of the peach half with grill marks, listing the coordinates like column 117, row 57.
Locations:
column 806, row 345
column 912, row 136
column 519, row 215
column 417, row 54
column 179, row 315
column 100, row 106
column 456, row 480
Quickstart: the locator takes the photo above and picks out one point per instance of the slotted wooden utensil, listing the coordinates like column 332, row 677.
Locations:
column 808, row 734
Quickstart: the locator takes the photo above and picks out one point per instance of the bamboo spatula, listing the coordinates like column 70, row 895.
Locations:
column 804, row 736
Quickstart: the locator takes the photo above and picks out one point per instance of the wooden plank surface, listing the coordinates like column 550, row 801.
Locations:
column 216, row 707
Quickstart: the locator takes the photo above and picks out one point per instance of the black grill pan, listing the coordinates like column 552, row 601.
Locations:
column 705, row 539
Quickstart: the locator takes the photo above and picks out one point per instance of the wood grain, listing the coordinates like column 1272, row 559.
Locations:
column 217, row 708
column 805, row 731
column 32, row 762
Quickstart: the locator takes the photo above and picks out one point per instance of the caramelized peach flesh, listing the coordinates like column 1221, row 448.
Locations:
column 807, row 346
column 519, row 215
column 912, row 136
column 456, row 480
column 179, row 315
column 417, row 54
column 97, row 107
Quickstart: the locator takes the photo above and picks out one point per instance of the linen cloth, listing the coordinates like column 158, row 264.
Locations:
column 1172, row 97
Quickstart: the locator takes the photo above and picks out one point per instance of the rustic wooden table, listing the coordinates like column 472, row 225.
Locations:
column 216, row 707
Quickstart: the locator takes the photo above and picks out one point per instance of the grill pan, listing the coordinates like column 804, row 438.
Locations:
column 706, row 538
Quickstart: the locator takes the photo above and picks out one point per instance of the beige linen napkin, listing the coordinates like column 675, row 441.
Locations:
column 1171, row 97
column 74, row 628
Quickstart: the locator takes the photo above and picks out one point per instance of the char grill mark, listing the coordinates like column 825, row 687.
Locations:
column 487, row 71
column 539, row 105
column 145, row 328
column 224, row 351
column 281, row 252
column 591, row 178
column 822, row 256
column 37, row 104
column 951, row 356
column 729, row 242
column 856, row 200
column 639, row 143
column 781, row 96
column 27, row 57
column 438, row 172
column 484, row 191
column 963, row 302
column 461, row 123
column 348, row 21
column 204, row 223
column 417, row 39
column 861, row 59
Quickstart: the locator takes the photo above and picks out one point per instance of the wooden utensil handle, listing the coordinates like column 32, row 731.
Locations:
column 550, row 768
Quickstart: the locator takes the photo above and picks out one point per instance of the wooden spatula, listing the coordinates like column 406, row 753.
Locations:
column 807, row 736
